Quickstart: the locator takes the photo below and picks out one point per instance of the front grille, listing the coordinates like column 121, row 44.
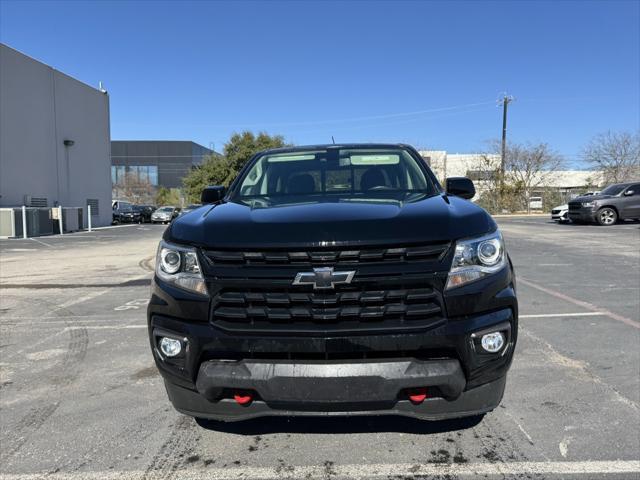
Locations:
column 276, row 258
column 575, row 206
column 555, row 211
column 348, row 308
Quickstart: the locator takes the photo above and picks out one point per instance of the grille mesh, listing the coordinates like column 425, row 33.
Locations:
column 337, row 257
column 348, row 309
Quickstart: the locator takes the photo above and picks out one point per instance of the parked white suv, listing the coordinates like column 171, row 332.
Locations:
column 560, row 213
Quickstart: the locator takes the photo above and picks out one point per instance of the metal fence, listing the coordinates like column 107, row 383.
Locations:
column 33, row 221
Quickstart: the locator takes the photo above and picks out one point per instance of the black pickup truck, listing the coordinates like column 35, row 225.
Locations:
column 334, row 280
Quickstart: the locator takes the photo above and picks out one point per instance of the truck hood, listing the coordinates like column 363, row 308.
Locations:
column 331, row 223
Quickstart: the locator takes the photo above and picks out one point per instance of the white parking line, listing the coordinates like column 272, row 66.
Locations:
column 577, row 314
column 41, row 242
column 581, row 303
column 104, row 327
column 405, row 470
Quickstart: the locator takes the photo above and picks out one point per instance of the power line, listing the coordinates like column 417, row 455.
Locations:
column 346, row 120
column 163, row 156
column 385, row 124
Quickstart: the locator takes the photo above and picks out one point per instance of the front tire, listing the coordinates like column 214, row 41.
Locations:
column 607, row 216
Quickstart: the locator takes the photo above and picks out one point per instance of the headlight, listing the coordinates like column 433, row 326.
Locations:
column 178, row 265
column 587, row 204
column 475, row 258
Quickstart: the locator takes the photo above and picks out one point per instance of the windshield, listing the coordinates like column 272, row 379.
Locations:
column 612, row 190
column 165, row 209
column 356, row 173
column 122, row 206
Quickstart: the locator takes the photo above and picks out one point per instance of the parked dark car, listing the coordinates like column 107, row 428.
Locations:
column 165, row 214
column 145, row 212
column 123, row 212
column 616, row 202
column 334, row 280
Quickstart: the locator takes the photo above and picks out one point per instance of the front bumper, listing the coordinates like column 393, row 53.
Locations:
column 337, row 373
column 582, row 215
column 476, row 401
column 463, row 381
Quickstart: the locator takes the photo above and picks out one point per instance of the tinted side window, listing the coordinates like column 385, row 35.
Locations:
column 635, row 188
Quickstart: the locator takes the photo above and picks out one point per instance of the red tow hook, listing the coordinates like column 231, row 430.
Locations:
column 243, row 398
column 417, row 395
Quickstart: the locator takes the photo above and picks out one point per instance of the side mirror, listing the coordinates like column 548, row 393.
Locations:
column 628, row 193
column 461, row 187
column 212, row 194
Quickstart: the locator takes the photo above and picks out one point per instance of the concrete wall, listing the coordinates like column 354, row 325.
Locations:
column 41, row 107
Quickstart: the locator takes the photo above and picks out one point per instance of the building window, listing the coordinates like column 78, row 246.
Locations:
column 94, row 204
column 121, row 174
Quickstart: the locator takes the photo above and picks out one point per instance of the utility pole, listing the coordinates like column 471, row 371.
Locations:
column 504, row 101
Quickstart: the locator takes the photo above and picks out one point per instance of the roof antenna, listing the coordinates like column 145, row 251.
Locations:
column 333, row 140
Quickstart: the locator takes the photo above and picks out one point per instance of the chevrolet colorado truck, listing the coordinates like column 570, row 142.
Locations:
column 334, row 280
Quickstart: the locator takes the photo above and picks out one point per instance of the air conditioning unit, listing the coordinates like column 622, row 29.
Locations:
column 10, row 226
column 71, row 219
column 38, row 202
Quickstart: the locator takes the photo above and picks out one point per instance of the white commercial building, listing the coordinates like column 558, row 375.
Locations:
column 479, row 167
column 54, row 139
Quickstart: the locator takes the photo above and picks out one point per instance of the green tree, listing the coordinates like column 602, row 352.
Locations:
column 242, row 146
column 214, row 170
column 167, row 196
column 222, row 170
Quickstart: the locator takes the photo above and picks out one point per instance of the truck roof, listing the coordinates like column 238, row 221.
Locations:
column 302, row 148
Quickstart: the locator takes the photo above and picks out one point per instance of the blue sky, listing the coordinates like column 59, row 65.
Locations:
column 425, row 73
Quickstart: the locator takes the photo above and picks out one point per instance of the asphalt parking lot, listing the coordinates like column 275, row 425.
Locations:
column 80, row 397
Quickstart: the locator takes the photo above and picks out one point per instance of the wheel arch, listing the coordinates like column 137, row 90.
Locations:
column 612, row 207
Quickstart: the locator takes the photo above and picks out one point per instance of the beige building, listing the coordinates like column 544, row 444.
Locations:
column 479, row 168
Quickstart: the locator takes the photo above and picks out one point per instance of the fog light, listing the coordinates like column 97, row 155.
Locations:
column 492, row 342
column 170, row 347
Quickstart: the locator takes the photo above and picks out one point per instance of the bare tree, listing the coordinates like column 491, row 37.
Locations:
column 527, row 167
column 617, row 154
column 135, row 189
column 531, row 166
column 484, row 170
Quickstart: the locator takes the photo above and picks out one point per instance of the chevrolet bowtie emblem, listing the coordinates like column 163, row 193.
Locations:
column 323, row 277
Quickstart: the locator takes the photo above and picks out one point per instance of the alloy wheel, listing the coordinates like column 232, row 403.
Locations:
column 607, row 216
